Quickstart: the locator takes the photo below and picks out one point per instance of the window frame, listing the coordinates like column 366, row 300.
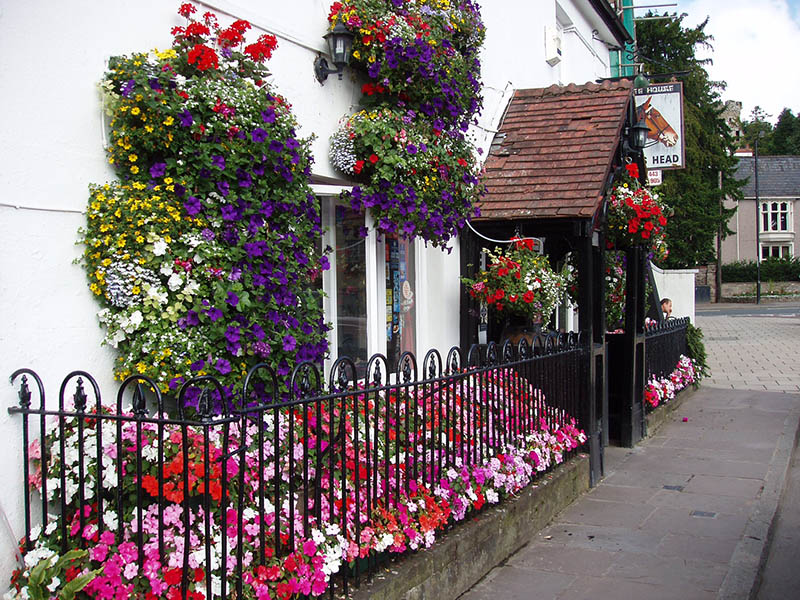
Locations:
column 375, row 256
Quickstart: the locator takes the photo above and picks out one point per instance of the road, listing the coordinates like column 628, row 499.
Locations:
column 775, row 309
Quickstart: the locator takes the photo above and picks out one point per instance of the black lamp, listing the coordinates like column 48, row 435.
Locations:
column 340, row 42
column 637, row 136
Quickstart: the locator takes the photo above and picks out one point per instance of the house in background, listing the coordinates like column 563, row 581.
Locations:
column 779, row 207
column 55, row 118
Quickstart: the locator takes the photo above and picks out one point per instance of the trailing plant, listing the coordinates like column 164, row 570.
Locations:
column 519, row 281
column 417, row 172
column 696, row 350
column 204, row 251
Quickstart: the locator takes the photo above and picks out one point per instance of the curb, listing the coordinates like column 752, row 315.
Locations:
column 744, row 569
column 462, row 557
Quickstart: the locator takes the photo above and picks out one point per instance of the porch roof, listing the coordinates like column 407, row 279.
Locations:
column 554, row 150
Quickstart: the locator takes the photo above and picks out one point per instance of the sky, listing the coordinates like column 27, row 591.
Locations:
column 756, row 49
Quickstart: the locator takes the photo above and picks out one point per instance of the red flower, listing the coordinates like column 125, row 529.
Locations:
column 633, row 170
column 186, row 10
column 373, row 158
column 173, row 576
column 358, row 166
column 499, row 294
column 196, row 29
column 529, row 296
column 262, row 49
column 204, row 56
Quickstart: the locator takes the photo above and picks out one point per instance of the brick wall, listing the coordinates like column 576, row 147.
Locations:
column 707, row 275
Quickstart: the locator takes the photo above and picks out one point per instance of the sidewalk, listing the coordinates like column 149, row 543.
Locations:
column 686, row 514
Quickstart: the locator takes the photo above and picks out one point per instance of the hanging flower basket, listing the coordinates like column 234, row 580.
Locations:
column 636, row 216
column 417, row 172
column 519, row 282
column 201, row 252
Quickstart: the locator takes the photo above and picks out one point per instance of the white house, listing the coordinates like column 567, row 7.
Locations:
column 55, row 137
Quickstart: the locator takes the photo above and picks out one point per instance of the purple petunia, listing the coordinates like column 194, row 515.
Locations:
column 197, row 365
column 259, row 135
column 223, row 187
column 233, row 299
column 158, row 169
column 289, row 343
column 223, row 366
column 214, row 314
column 268, row 116
column 324, row 263
column 186, row 118
column 128, row 87
column 192, row 206
column 228, row 212
column 275, row 146
column 218, row 161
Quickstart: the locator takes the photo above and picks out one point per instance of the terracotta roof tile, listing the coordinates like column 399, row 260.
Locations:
column 553, row 151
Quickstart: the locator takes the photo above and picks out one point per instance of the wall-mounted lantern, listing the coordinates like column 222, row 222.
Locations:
column 637, row 136
column 340, row 42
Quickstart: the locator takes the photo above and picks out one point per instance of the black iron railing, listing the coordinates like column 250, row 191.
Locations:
column 230, row 498
column 665, row 343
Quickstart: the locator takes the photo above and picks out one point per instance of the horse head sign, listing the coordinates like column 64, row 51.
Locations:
column 661, row 108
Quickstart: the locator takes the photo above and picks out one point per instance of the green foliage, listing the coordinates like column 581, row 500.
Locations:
column 697, row 350
column 47, row 576
column 695, row 192
column 772, row 269
column 781, row 140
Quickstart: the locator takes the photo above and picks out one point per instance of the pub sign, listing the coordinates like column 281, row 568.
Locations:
column 661, row 107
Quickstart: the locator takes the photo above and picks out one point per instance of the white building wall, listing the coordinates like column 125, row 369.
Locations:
column 678, row 286
column 55, row 54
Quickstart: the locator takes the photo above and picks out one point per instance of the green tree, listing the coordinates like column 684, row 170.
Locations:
column 758, row 126
column 785, row 137
column 667, row 47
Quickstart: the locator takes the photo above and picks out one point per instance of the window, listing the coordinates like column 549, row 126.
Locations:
column 776, row 251
column 775, row 216
column 370, row 289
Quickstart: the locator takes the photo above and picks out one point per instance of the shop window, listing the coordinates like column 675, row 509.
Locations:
column 370, row 289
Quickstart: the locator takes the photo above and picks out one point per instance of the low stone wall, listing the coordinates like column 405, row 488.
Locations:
column 732, row 291
column 472, row 548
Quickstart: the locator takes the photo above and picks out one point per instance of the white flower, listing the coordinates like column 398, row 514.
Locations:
column 191, row 287
column 54, row 584
column 160, row 248
column 175, row 282
column 166, row 269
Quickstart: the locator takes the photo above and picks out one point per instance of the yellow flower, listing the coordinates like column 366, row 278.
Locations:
column 169, row 121
column 141, row 367
column 135, row 110
column 133, row 157
column 136, row 289
column 168, row 180
column 356, row 54
column 148, row 128
column 134, row 169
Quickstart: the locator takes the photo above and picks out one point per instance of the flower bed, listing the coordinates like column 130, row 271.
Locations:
column 203, row 251
column 279, row 499
column 660, row 390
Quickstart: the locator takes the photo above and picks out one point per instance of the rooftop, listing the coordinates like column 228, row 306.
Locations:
column 778, row 176
column 554, row 150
